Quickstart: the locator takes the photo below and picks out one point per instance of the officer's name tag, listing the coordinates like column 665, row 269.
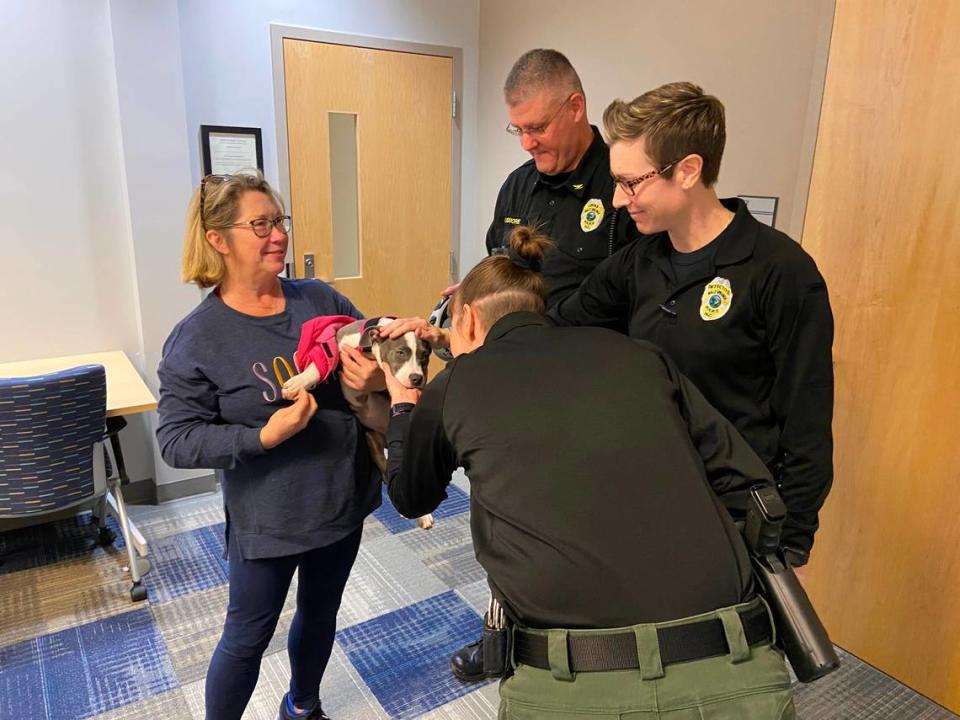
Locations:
column 717, row 296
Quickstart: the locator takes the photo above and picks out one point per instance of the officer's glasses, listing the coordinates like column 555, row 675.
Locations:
column 536, row 130
column 630, row 186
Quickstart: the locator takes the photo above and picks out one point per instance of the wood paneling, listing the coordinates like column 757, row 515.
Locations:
column 883, row 223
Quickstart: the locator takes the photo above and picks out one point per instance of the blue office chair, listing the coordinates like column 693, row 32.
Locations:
column 53, row 457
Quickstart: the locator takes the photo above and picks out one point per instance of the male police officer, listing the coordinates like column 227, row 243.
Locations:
column 565, row 190
column 598, row 479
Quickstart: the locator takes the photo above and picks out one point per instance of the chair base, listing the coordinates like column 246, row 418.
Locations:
column 136, row 544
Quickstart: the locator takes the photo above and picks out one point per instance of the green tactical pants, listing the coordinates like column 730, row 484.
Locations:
column 750, row 683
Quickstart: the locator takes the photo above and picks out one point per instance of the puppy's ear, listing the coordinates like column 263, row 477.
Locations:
column 369, row 336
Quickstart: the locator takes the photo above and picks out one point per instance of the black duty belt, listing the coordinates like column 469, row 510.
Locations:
column 618, row 651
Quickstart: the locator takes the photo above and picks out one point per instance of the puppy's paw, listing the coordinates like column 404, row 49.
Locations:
column 425, row 522
column 291, row 387
column 307, row 380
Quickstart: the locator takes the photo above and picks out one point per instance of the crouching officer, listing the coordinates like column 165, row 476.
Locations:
column 565, row 189
column 600, row 479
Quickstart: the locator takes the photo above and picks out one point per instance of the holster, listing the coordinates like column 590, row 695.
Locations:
column 496, row 651
column 799, row 630
column 497, row 641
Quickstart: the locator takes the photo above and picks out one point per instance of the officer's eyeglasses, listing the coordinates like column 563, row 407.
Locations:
column 536, row 130
column 629, row 186
column 262, row 227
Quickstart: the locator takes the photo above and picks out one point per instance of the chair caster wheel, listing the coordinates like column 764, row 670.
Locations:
column 106, row 537
column 138, row 592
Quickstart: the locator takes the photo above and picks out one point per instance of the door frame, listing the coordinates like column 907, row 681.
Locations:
column 278, row 33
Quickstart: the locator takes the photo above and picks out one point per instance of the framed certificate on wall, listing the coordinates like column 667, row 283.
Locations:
column 228, row 150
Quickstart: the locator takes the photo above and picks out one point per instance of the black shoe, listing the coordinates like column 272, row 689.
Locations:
column 467, row 663
column 316, row 713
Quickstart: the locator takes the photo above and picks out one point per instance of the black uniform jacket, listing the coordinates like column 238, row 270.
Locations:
column 576, row 215
column 598, row 476
column 763, row 360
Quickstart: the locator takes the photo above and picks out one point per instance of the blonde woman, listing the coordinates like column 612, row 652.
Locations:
column 297, row 481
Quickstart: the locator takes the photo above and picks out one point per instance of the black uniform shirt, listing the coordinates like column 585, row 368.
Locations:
column 596, row 474
column 575, row 213
column 754, row 333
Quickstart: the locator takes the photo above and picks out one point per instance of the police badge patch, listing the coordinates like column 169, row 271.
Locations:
column 592, row 215
column 717, row 296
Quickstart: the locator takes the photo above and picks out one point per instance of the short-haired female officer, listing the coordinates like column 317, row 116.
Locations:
column 737, row 305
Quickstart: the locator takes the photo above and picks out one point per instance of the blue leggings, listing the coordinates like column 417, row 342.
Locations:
column 258, row 589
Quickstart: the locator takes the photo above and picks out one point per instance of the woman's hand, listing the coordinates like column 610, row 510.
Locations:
column 425, row 331
column 359, row 372
column 399, row 393
column 287, row 422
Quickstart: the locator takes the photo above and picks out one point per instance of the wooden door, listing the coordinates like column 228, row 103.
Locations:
column 401, row 107
column 883, row 223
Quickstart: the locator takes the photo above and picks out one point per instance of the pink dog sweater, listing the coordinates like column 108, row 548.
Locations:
column 318, row 344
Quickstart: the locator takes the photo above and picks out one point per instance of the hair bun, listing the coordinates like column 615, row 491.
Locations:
column 527, row 248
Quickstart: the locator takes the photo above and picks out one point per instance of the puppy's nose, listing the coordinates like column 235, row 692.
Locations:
column 416, row 380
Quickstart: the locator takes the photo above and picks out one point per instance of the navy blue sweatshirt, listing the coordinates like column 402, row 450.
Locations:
column 220, row 380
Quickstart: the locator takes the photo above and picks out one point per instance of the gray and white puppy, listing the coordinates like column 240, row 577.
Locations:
column 408, row 358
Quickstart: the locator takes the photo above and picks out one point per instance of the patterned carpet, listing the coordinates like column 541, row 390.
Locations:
column 72, row 645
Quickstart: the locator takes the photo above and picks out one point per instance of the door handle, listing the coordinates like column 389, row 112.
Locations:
column 310, row 269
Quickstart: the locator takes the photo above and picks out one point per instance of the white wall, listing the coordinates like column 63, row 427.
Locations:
column 68, row 274
column 153, row 133
column 764, row 60
column 228, row 73
column 66, row 269
column 90, row 190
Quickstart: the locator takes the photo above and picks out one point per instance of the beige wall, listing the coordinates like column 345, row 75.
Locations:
column 765, row 60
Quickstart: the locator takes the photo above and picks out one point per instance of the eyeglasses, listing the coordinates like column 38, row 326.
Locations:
column 629, row 186
column 213, row 180
column 262, row 227
column 536, row 130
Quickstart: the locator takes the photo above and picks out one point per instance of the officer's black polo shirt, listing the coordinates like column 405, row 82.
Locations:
column 754, row 333
column 577, row 215
column 598, row 476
